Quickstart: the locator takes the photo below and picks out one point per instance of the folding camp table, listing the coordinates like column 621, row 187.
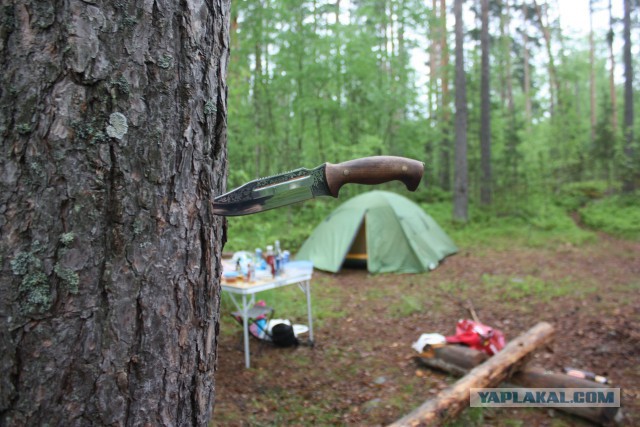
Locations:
column 247, row 292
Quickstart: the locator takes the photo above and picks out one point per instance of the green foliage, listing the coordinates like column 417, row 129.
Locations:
column 575, row 195
column 534, row 224
column 618, row 215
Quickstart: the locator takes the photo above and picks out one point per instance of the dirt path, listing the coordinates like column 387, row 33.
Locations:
column 361, row 373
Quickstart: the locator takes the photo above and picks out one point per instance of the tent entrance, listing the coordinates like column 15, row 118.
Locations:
column 357, row 255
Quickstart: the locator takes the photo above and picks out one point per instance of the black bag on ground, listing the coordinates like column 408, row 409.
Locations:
column 282, row 335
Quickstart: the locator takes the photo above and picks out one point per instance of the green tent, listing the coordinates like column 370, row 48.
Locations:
column 389, row 231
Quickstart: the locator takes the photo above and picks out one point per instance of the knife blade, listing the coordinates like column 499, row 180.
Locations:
column 325, row 180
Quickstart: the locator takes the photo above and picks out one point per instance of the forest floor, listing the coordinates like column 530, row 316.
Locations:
column 361, row 370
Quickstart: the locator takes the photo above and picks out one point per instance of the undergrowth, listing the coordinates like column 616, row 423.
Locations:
column 617, row 215
column 538, row 222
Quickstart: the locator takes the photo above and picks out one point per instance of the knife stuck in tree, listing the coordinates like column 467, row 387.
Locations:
column 325, row 180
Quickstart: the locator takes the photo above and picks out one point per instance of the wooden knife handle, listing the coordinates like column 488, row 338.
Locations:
column 374, row 170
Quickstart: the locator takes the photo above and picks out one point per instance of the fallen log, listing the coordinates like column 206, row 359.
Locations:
column 458, row 360
column 450, row 401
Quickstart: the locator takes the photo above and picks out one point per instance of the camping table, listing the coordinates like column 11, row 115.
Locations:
column 248, row 290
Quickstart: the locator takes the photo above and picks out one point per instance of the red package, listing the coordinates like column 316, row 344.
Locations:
column 477, row 336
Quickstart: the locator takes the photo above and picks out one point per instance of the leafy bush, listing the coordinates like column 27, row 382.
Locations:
column 536, row 224
column 617, row 215
column 577, row 194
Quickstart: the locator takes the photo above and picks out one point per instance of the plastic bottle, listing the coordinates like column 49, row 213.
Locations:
column 258, row 261
column 271, row 260
column 251, row 272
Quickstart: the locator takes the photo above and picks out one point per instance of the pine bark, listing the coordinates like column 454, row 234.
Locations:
column 612, row 69
column 445, row 177
column 631, row 175
column 485, row 109
column 592, row 75
column 113, row 139
column 460, row 193
column 526, row 69
column 554, row 86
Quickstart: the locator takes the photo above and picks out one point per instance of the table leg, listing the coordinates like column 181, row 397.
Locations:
column 307, row 287
column 245, row 328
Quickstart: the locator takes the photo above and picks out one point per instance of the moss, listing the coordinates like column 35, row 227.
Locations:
column 20, row 264
column 89, row 132
column 138, row 227
column 67, row 238
column 35, row 287
column 69, row 278
column 24, row 128
column 129, row 22
column 210, row 107
column 37, row 169
column 165, row 61
column 122, row 85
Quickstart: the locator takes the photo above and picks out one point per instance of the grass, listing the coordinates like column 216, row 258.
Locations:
column 516, row 288
column 617, row 215
column 540, row 225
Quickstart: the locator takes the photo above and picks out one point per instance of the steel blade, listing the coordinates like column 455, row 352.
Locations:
column 272, row 192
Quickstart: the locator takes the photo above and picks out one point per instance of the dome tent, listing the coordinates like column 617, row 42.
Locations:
column 391, row 232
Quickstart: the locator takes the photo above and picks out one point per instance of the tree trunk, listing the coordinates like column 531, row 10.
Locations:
column 631, row 172
column 460, row 191
column 485, row 109
column 592, row 75
column 445, row 177
column 113, row 139
column 527, row 76
column 554, row 86
column 612, row 70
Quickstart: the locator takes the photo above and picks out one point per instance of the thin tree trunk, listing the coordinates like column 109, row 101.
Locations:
column 113, row 139
column 445, row 177
column 502, row 67
column 485, row 109
column 554, row 87
column 510, row 103
column 631, row 174
column 612, row 70
column 429, row 175
column 592, row 75
column 460, row 194
column 258, row 104
column 527, row 76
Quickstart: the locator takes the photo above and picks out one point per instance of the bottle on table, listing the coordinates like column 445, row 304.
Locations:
column 271, row 260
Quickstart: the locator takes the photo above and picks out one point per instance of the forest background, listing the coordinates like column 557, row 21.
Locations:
column 551, row 135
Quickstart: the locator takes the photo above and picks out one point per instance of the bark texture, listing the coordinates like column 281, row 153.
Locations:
column 632, row 174
column 485, row 110
column 461, row 184
column 113, row 139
